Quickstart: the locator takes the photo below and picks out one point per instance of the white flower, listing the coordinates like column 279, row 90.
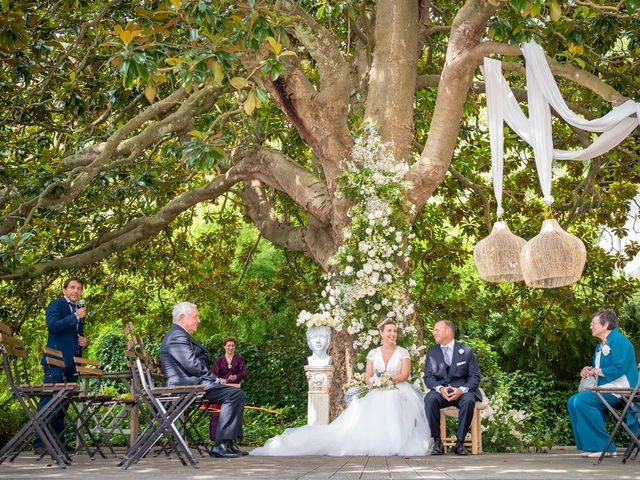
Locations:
column 348, row 270
column 606, row 349
column 349, row 258
column 368, row 231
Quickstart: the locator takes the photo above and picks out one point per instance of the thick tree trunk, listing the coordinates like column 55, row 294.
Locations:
column 341, row 351
column 392, row 78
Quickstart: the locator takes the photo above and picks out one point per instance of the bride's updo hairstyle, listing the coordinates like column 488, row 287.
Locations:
column 385, row 322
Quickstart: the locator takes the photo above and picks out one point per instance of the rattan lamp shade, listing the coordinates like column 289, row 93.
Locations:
column 497, row 257
column 553, row 258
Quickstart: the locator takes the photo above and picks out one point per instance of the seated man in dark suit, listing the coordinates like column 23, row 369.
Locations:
column 453, row 376
column 186, row 362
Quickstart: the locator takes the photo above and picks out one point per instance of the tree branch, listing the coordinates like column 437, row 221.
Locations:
column 261, row 210
column 467, row 29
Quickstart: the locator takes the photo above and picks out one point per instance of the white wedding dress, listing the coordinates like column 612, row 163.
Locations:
column 382, row 423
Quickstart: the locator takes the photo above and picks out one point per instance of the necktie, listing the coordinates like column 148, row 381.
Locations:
column 447, row 355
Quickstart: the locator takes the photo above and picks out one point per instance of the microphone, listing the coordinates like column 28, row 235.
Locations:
column 81, row 303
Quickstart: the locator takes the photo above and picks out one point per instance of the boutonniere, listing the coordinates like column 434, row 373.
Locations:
column 606, row 349
column 461, row 351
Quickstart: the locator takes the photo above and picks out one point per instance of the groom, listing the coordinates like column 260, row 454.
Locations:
column 453, row 376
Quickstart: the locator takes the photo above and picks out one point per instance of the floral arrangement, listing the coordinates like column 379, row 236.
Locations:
column 382, row 381
column 504, row 428
column 367, row 282
column 321, row 319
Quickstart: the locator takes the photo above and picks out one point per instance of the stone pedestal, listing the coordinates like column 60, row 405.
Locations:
column 319, row 379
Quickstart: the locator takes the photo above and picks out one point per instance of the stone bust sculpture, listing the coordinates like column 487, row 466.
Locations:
column 318, row 339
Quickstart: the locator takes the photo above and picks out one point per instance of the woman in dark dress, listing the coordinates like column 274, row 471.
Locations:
column 229, row 368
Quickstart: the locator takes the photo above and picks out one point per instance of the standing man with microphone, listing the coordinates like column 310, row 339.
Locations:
column 65, row 327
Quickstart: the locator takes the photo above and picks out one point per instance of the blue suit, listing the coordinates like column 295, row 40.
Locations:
column 463, row 372
column 587, row 412
column 63, row 329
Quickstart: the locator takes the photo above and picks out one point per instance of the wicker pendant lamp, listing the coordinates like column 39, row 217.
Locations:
column 497, row 257
column 553, row 258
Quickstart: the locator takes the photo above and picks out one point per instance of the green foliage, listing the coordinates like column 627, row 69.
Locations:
column 12, row 417
column 503, row 427
column 276, row 375
column 545, row 400
column 260, row 426
column 488, row 362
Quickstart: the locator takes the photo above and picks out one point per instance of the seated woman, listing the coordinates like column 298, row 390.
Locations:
column 229, row 368
column 383, row 422
column 614, row 365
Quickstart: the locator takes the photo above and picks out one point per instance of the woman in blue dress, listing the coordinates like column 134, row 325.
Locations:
column 614, row 364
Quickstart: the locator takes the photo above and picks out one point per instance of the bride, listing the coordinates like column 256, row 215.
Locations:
column 382, row 423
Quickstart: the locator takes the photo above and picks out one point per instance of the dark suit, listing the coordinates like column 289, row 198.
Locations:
column 185, row 361
column 63, row 329
column 463, row 372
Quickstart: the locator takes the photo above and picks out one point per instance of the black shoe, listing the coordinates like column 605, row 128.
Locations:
column 223, row 451
column 69, row 449
column 39, row 451
column 459, row 449
column 236, row 449
column 438, row 449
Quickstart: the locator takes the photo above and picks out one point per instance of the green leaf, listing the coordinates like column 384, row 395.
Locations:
column 150, row 92
column 238, row 82
column 555, row 11
column 250, row 103
column 274, row 45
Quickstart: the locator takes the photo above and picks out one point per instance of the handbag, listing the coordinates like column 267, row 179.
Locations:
column 587, row 383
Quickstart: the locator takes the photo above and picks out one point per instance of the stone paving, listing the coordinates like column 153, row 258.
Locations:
column 560, row 463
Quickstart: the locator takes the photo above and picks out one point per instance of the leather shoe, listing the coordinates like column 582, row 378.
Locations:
column 459, row 449
column 223, row 451
column 236, row 449
column 438, row 449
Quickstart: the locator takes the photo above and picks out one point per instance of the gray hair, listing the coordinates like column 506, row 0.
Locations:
column 182, row 308
column 606, row 318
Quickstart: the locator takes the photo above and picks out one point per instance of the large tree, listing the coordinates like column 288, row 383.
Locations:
column 117, row 118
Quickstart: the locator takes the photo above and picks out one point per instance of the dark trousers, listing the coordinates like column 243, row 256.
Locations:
column 54, row 374
column 231, row 400
column 434, row 402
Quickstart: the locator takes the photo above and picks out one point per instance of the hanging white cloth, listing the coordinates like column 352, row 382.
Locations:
column 495, row 91
column 543, row 92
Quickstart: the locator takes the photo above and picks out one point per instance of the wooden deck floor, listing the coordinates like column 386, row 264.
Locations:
column 562, row 464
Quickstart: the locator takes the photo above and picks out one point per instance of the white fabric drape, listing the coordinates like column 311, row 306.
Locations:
column 494, row 91
column 543, row 93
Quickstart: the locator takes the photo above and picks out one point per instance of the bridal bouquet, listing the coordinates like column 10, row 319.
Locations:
column 382, row 381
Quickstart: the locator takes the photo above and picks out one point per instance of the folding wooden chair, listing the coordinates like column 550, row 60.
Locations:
column 628, row 397
column 87, row 405
column 165, row 406
column 27, row 395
